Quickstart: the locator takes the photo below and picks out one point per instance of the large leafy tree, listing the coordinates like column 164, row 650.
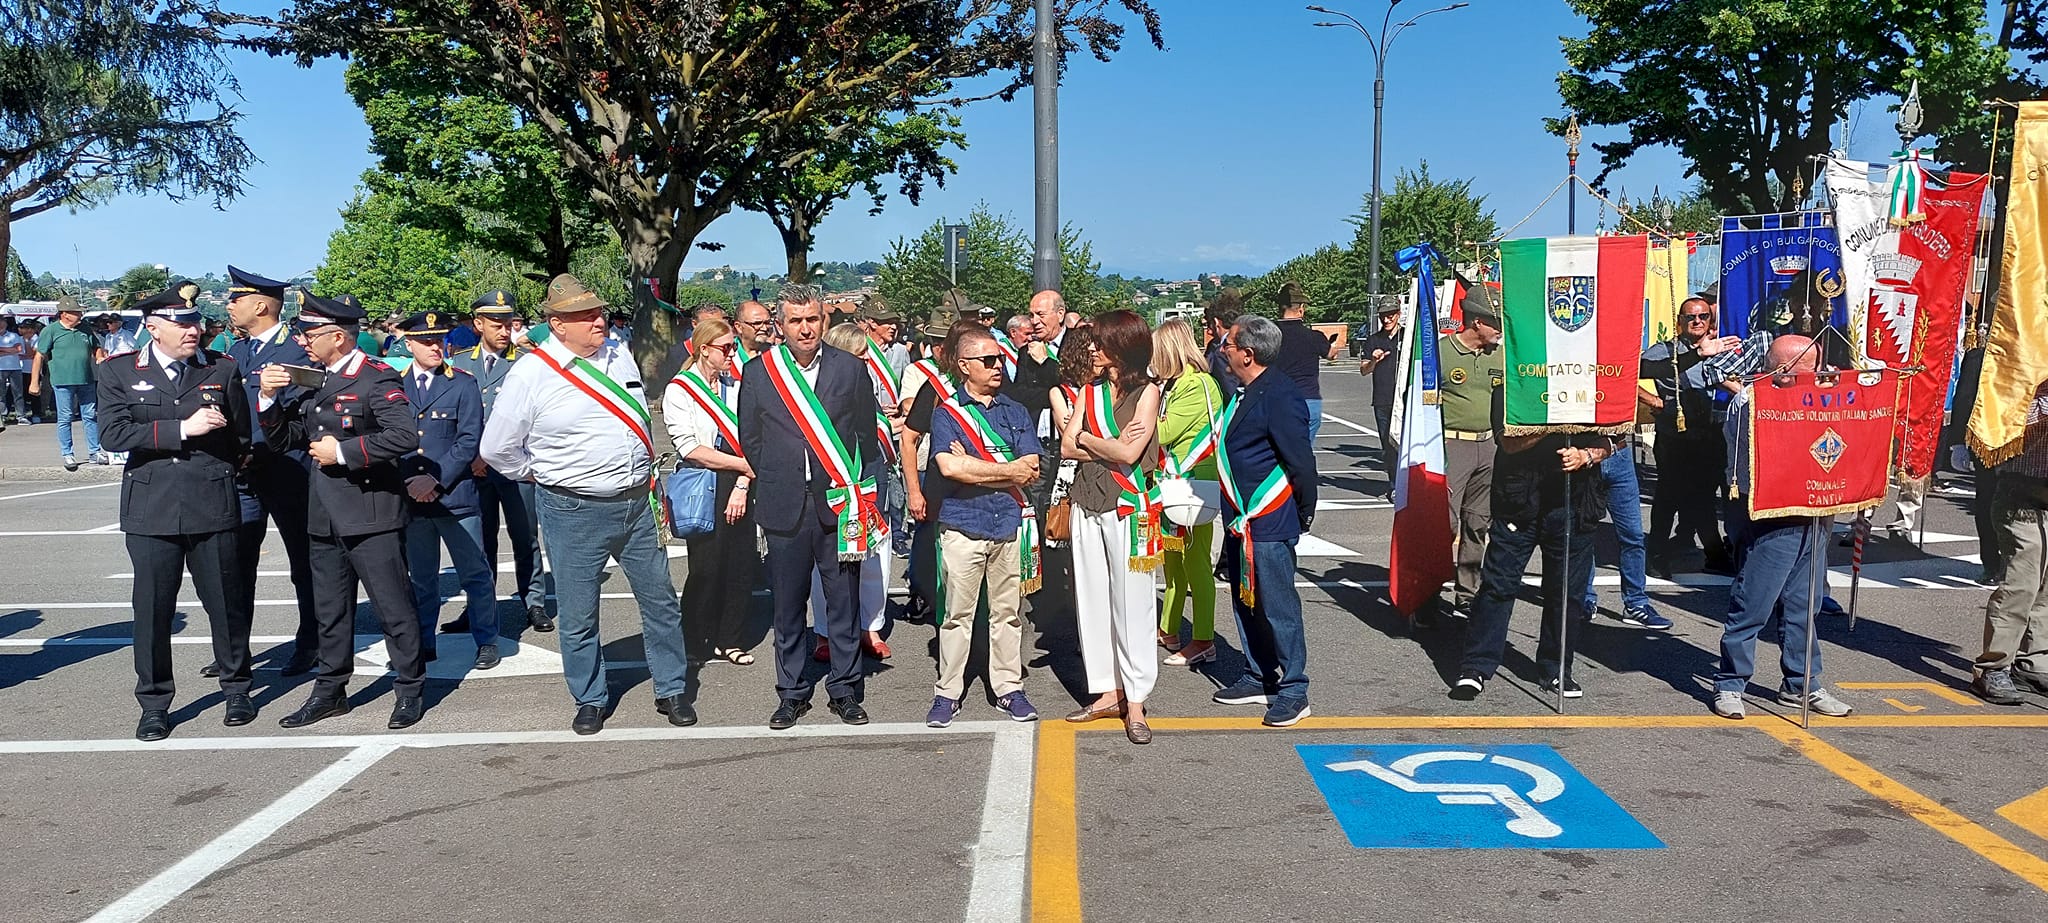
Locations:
column 668, row 112
column 995, row 268
column 1748, row 91
column 1421, row 208
column 796, row 198
column 390, row 266
column 99, row 98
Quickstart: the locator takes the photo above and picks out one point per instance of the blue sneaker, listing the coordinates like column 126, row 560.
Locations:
column 943, row 710
column 1018, row 707
column 1242, row 694
column 1643, row 617
column 1829, row 607
column 1285, row 712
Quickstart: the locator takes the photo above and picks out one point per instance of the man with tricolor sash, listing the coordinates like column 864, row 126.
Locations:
column 812, row 410
column 573, row 419
column 985, row 450
column 1268, row 469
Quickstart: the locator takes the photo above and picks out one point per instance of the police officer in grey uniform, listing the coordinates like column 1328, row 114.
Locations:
column 181, row 415
column 355, row 424
column 492, row 316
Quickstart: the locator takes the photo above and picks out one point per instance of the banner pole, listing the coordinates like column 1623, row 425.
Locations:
column 1566, row 587
column 1817, row 584
column 1859, row 532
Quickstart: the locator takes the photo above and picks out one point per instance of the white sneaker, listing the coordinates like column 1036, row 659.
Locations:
column 1728, row 704
column 1820, row 701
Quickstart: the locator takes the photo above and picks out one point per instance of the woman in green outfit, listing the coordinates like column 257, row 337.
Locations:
column 1187, row 434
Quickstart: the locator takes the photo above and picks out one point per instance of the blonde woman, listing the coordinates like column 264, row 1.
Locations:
column 1114, row 436
column 698, row 407
column 1191, row 405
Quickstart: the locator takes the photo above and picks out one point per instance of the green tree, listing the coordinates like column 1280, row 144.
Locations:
column 140, row 281
column 1420, row 208
column 1749, row 90
column 101, row 98
column 24, row 285
column 1333, row 276
column 996, row 269
column 1690, row 212
column 668, row 112
column 392, row 267
column 910, row 148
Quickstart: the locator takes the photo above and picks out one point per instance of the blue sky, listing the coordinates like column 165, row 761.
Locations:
column 1247, row 141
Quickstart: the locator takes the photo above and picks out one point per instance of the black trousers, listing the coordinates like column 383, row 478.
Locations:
column 377, row 561
column 1690, row 469
column 498, row 495
column 1390, row 441
column 792, row 557
column 160, row 563
column 719, row 590
column 279, row 483
column 1507, row 555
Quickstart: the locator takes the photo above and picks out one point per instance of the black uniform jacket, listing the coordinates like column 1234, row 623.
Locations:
column 363, row 407
column 173, row 485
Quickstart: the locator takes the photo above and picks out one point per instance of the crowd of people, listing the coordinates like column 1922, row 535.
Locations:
column 1077, row 464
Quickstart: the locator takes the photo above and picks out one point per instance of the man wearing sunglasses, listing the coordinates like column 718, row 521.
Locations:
column 1689, row 451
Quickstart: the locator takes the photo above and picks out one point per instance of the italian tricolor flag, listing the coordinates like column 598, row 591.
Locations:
column 1572, row 314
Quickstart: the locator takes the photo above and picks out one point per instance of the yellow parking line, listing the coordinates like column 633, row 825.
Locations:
column 1546, row 722
column 1933, row 689
column 1055, row 837
column 1920, row 807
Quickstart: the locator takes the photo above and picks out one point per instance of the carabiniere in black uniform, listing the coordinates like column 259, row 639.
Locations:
column 356, row 507
column 179, row 509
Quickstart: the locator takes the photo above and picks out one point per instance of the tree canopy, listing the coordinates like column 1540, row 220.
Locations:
column 996, row 270
column 390, row 266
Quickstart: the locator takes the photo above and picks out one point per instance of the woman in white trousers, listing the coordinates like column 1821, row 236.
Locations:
column 1113, row 435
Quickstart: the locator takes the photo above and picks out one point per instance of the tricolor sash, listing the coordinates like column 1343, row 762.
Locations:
column 878, row 368
column 885, row 435
column 620, row 403
column 941, row 383
column 983, row 441
column 714, row 406
column 1270, row 495
column 1135, row 503
column 1009, row 351
column 851, row 497
column 1178, row 465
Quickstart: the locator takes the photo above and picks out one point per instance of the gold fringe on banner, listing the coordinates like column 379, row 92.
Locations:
column 2016, row 351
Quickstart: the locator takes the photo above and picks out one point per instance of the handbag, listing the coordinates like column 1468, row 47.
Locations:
column 692, row 495
column 1059, row 521
column 1189, row 502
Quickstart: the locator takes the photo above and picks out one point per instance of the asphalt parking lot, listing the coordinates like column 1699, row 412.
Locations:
column 1923, row 805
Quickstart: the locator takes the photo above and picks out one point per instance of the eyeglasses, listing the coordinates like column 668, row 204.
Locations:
column 725, row 347
column 987, row 362
column 756, row 323
column 1689, row 318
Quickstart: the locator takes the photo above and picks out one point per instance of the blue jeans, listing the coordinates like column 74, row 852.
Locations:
column 464, row 536
column 1507, row 554
column 1315, row 425
column 579, row 533
column 1625, row 506
column 73, row 401
column 1777, row 558
column 1275, row 645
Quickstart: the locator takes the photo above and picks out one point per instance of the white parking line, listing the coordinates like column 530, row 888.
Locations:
column 151, row 897
column 1340, row 421
column 60, row 490
column 995, row 893
column 402, row 740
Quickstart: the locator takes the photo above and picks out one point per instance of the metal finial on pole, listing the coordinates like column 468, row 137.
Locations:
column 1572, row 137
column 1910, row 116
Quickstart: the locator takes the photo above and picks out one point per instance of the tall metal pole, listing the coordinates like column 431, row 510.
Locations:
column 1045, row 97
column 1379, row 104
column 1571, row 153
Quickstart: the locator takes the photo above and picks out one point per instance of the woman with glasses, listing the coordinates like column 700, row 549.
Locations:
column 1192, row 404
column 699, row 405
column 1113, row 434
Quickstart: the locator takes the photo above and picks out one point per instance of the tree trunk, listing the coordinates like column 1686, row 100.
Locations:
column 796, row 245
column 6, row 257
column 655, row 253
column 554, row 241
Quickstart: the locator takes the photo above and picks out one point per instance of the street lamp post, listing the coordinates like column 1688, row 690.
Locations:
column 1380, row 43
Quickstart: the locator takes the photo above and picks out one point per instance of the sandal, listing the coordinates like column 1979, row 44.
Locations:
column 737, row 655
column 1170, row 642
column 1186, row 658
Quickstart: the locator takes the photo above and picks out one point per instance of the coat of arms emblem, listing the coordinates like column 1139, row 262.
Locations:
column 1571, row 302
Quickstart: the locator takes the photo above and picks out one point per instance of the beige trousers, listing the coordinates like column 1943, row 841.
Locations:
column 970, row 565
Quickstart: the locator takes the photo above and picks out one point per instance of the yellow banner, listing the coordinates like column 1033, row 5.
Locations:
column 1664, row 286
column 2016, row 353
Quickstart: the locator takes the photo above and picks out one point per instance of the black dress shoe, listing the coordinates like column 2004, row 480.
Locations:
column 456, row 626
column 316, row 708
column 487, row 656
column 678, row 711
column 537, row 618
column 407, row 712
column 848, row 709
column 210, row 671
column 303, row 661
column 787, row 713
column 240, row 711
column 589, row 719
column 155, row 724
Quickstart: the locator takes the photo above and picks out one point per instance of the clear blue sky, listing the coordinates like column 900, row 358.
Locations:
column 1247, row 141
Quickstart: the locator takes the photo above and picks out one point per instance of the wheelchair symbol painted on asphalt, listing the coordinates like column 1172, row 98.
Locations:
column 1468, row 797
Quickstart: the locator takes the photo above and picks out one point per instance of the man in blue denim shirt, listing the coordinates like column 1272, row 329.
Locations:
column 1269, row 466
column 985, row 450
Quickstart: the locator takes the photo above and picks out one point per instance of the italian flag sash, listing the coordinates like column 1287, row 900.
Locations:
column 983, row 441
column 722, row 416
column 885, row 435
column 851, row 500
column 1135, row 504
column 1009, row 351
column 1271, row 494
column 740, row 355
column 942, row 385
column 1177, row 465
column 620, row 403
column 878, row 366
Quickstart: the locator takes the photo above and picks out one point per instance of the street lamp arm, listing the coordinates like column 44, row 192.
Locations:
column 1403, row 27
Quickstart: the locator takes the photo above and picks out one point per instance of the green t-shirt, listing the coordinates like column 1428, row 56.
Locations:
column 1470, row 384
column 68, row 352
column 369, row 343
column 221, row 343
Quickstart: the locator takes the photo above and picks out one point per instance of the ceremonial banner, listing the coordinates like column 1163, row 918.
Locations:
column 1906, row 289
column 1419, row 555
column 1763, row 257
column 1572, row 316
column 1820, row 445
column 1663, row 288
column 2016, row 352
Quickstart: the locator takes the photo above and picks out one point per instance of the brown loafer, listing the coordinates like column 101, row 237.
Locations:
column 1091, row 713
column 1138, row 731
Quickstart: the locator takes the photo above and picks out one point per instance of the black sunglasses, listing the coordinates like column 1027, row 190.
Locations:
column 987, row 362
column 1693, row 317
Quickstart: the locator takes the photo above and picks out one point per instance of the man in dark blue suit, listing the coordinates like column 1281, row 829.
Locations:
column 804, row 381
column 441, row 481
column 273, row 484
column 1268, row 468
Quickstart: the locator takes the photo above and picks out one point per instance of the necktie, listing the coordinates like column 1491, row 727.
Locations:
column 426, row 382
column 490, row 362
column 172, row 368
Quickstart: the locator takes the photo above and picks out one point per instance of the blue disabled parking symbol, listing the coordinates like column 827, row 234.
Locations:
column 1455, row 796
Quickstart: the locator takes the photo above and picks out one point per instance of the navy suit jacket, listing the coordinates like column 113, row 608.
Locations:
column 279, row 346
column 1271, row 428
column 451, row 424
column 770, row 439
